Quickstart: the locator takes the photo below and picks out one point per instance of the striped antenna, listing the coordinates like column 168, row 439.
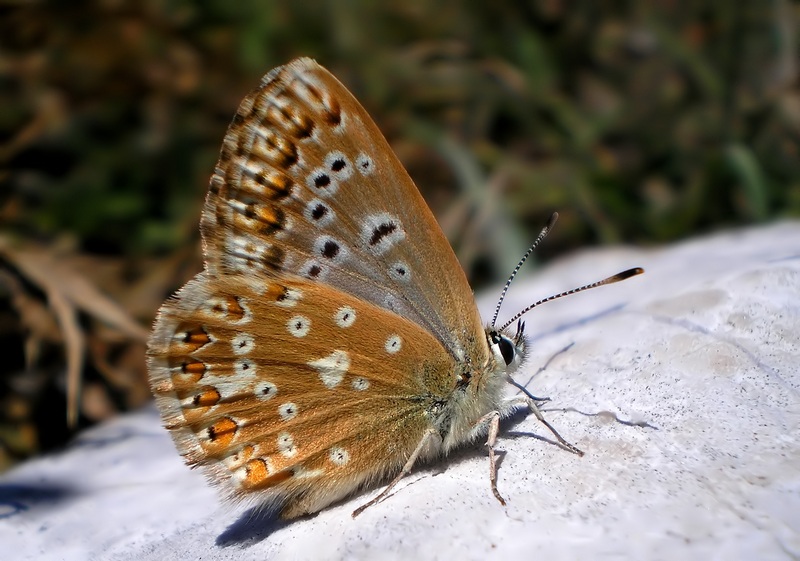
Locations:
column 610, row 280
column 546, row 230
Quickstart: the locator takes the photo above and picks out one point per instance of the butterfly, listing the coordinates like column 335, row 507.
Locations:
column 332, row 340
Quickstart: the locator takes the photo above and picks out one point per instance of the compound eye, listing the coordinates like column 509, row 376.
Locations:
column 506, row 349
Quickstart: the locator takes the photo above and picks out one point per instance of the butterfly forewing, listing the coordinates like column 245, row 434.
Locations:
column 306, row 185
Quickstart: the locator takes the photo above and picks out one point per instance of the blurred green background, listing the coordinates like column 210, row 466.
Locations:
column 640, row 122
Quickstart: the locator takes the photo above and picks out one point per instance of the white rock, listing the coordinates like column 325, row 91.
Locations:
column 680, row 385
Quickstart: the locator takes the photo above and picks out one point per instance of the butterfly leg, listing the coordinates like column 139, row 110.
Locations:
column 424, row 441
column 493, row 419
column 524, row 400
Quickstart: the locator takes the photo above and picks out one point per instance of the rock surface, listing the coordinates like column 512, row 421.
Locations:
column 682, row 386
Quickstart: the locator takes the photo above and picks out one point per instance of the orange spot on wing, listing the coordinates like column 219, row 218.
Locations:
column 246, row 453
column 221, row 433
column 258, row 476
column 210, row 396
column 235, row 310
column 186, row 371
column 256, row 472
column 194, row 338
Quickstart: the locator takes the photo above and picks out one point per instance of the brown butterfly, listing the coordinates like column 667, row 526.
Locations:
column 332, row 339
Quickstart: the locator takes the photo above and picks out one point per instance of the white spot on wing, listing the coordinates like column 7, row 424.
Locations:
column 341, row 161
column 344, row 316
column 242, row 343
column 265, row 390
column 230, row 386
column 301, row 472
column 332, row 368
column 360, row 384
column 286, row 445
column 217, row 307
column 248, row 314
column 299, row 326
column 322, row 182
column 330, row 249
column 364, row 164
column 381, row 231
column 244, row 252
column 339, row 456
column 317, row 207
column 301, row 87
column 344, row 117
column 313, row 269
column 289, row 298
column 288, row 411
column 257, row 286
column 244, row 368
column 400, row 272
column 393, row 344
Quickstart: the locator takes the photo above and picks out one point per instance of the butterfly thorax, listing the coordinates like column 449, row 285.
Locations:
column 480, row 389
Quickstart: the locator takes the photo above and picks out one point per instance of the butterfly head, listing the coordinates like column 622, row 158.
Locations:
column 508, row 350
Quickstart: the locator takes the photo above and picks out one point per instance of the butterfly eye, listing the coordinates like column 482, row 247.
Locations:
column 504, row 346
column 507, row 350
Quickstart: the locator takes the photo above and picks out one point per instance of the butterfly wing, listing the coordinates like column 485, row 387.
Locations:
column 307, row 185
column 261, row 384
column 332, row 322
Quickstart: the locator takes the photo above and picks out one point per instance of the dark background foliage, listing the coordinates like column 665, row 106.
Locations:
column 640, row 122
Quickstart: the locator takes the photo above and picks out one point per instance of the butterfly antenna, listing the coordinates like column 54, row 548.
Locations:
column 546, row 230
column 610, row 280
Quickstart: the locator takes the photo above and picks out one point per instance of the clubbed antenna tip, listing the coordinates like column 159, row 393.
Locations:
column 610, row 280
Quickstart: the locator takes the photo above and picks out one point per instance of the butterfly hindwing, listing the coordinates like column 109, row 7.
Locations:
column 284, row 414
